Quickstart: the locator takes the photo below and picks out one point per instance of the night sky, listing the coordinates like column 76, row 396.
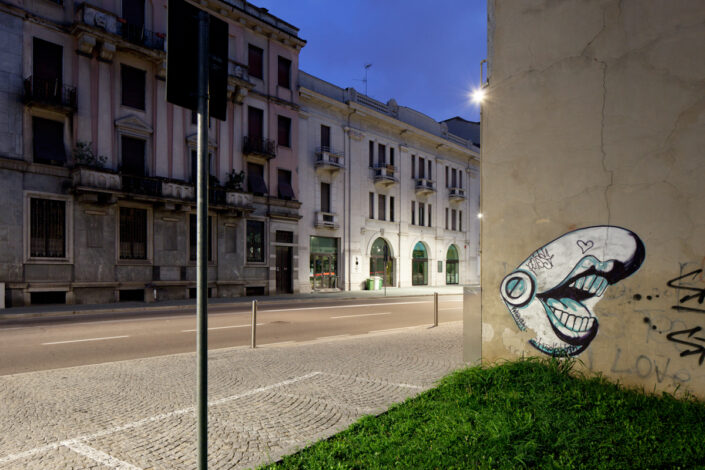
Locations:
column 424, row 54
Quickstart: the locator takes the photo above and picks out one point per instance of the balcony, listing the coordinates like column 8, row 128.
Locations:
column 142, row 185
column 137, row 34
column 328, row 160
column 456, row 194
column 49, row 94
column 384, row 175
column 259, row 146
column 424, row 187
column 327, row 220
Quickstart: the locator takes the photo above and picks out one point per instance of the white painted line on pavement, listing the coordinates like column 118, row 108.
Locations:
column 363, row 315
column 371, row 380
column 99, row 456
column 151, row 419
column 83, row 340
column 222, row 327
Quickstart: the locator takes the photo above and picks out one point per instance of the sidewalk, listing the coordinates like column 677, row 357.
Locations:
column 39, row 311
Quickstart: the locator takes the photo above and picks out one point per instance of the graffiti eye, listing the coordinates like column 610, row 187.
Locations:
column 518, row 289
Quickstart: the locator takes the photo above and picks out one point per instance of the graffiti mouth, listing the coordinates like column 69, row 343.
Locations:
column 570, row 319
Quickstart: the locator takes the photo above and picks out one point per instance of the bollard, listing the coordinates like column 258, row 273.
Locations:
column 253, row 343
column 435, row 309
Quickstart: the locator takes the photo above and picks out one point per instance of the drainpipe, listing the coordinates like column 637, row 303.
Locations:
column 346, row 204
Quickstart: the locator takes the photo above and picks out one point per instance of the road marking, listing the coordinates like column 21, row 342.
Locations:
column 151, row 419
column 223, row 327
column 83, row 340
column 363, row 315
column 451, row 308
column 372, row 380
column 99, row 456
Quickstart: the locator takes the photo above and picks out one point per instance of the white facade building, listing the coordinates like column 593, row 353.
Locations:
column 386, row 191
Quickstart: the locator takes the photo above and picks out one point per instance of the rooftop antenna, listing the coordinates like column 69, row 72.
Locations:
column 367, row 66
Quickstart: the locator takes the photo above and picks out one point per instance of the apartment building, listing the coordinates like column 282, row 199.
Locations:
column 97, row 169
column 390, row 193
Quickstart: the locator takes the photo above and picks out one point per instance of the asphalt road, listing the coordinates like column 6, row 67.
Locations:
column 51, row 343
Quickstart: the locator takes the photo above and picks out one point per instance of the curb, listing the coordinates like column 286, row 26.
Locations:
column 180, row 307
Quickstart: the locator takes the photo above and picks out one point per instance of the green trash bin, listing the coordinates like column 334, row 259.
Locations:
column 370, row 284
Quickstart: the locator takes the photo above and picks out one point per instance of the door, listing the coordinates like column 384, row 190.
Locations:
column 284, row 270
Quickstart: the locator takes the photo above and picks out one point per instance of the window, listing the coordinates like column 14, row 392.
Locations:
column 284, row 236
column 325, row 197
column 452, row 219
column 460, row 220
column 454, row 178
column 255, row 123
column 133, row 12
column 255, row 241
column 47, row 231
column 422, row 168
column 284, row 134
column 391, row 156
column 371, row 214
column 446, row 179
column 47, row 70
column 381, row 154
column 429, row 215
column 133, row 233
column 132, row 156
column 391, row 208
column 285, row 191
column 372, row 154
column 446, row 213
column 422, row 211
column 48, row 140
column 413, row 213
column 325, row 138
column 254, row 61
column 255, row 179
column 430, row 170
column 413, row 167
column 382, row 207
column 193, row 227
column 284, row 72
column 133, row 86
column 460, row 179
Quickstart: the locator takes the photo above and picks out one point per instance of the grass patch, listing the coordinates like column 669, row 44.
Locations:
column 532, row 413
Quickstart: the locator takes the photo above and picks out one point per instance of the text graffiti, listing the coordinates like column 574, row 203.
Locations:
column 699, row 293
column 541, row 259
column 698, row 348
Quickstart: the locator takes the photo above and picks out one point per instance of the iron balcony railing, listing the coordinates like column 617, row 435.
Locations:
column 255, row 145
column 385, row 173
column 424, row 185
column 141, row 185
column 217, row 196
column 326, row 156
column 137, row 34
column 456, row 193
column 49, row 92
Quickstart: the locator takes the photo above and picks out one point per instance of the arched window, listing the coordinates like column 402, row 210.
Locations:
column 452, row 266
column 382, row 262
column 419, row 265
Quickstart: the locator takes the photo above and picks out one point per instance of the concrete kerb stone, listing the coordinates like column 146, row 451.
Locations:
column 63, row 311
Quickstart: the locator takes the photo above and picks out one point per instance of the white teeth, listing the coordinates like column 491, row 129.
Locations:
column 579, row 283
column 592, row 284
column 588, row 282
column 574, row 322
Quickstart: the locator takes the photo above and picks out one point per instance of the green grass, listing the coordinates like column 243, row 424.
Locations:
column 525, row 414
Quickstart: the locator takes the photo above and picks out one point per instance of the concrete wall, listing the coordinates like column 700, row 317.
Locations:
column 595, row 117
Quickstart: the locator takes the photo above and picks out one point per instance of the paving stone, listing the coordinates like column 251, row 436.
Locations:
column 264, row 403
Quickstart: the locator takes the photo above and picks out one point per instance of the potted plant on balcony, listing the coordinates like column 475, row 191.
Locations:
column 235, row 181
column 83, row 156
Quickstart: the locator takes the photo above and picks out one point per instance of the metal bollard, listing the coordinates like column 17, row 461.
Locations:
column 435, row 309
column 253, row 343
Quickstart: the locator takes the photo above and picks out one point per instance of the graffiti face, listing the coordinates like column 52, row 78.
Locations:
column 554, row 291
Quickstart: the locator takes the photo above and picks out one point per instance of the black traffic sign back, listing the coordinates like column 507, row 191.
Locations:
column 182, row 59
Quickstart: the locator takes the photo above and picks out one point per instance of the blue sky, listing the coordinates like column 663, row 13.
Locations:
column 424, row 54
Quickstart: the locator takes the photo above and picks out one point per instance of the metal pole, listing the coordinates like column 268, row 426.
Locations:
column 435, row 309
column 202, row 241
column 253, row 343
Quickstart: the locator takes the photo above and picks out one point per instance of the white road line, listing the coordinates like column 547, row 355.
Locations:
column 372, row 380
column 83, row 340
column 151, row 419
column 223, row 327
column 363, row 315
column 99, row 456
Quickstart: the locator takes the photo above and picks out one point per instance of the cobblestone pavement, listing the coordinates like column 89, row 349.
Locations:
column 264, row 403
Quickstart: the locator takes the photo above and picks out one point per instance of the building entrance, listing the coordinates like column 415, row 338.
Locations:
column 324, row 263
column 382, row 262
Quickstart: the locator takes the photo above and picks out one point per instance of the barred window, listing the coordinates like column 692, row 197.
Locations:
column 133, row 233
column 255, row 241
column 47, row 228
